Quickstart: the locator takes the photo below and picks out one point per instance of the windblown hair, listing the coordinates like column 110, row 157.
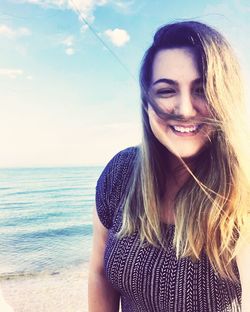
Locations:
column 211, row 208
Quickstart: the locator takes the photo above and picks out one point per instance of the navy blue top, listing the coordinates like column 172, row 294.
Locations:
column 148, row 278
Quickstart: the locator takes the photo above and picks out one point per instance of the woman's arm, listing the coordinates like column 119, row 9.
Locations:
column 243, row 262
column 101, row 296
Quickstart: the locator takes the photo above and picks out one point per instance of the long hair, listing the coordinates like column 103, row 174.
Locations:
column 211, row 207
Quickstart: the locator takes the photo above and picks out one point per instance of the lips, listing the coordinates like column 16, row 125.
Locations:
column 191, row 129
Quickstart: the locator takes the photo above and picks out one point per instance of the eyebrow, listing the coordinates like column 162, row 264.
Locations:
column 174, row 82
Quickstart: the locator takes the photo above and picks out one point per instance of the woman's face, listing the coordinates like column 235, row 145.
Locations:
column 177, row 88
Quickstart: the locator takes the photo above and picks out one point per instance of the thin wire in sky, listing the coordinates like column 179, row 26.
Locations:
column 117, row 58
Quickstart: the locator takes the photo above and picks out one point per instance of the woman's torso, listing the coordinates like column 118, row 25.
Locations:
column 152, row 279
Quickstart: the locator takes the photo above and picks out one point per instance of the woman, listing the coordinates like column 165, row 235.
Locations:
column 171, row 223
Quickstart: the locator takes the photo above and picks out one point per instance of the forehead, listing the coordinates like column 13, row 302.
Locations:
column 179, row 64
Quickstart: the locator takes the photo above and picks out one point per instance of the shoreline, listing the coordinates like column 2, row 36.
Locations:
column 58, row 291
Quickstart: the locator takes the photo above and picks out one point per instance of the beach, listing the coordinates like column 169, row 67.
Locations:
column 46, row 237
column 64, row 291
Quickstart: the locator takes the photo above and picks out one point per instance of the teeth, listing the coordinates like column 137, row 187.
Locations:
column 185, row 129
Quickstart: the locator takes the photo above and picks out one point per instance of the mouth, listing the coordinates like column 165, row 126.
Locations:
column 186, row 130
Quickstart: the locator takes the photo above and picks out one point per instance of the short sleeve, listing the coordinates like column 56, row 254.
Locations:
column 110, row 185
column 102, row 195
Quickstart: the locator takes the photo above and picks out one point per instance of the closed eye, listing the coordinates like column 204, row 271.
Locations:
column 165, row 92
column 199, row 91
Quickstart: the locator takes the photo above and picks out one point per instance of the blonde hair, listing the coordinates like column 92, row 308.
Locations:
column 211, row 208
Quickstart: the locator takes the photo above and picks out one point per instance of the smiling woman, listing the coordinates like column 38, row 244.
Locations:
column 177, row 89
column 172, row 214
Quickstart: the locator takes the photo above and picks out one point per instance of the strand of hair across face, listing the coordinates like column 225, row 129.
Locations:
column 84, row 21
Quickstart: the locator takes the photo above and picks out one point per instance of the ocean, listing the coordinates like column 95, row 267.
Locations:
column 45, row 218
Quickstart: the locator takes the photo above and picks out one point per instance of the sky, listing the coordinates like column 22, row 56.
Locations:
column 69, row 92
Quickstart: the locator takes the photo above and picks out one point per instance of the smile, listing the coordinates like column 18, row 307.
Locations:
column 186, row 130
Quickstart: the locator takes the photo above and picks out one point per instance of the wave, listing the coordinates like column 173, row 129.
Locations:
column 75, row 230
column 25, row 275
column 45, row 220
column 14, row 204
column 78, row 266
column 5, row 188
column 50, row 190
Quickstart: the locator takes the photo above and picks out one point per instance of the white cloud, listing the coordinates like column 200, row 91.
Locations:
column 102, row 2
column 84, row 28
column 70, row 51
column 123, row 6
column 117, row 36
column 11, row 73
column 68, row 41
column 83, row 8
column 9, row 32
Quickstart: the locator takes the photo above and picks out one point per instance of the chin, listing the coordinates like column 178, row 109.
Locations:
column 186, row 153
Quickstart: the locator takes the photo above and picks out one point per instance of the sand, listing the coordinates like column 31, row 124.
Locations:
column 64, row 291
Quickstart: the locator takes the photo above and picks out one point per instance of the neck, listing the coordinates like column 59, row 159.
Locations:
column 178, row 170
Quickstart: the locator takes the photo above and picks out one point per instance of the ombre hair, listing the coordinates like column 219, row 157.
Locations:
column 211, row 208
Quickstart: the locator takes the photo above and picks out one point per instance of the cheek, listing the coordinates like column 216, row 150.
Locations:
column 167, row 105
column 204, row 109
column 157, row 125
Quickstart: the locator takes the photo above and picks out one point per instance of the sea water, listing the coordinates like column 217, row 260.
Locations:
column 45, row 218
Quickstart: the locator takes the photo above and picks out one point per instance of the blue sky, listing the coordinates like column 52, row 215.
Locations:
column 65, row 99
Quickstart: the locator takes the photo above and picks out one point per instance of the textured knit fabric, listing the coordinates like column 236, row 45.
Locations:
column 151, row 279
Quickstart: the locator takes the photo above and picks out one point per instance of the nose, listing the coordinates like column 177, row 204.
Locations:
column 185, row 106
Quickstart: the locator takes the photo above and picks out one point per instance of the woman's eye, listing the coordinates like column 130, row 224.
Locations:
column 199, row 91
column 165, row 92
